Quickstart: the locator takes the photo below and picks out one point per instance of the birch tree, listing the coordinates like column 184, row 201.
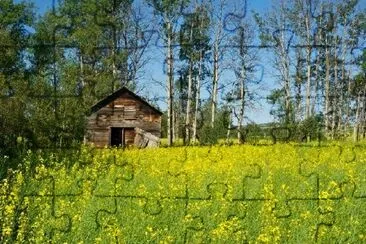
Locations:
column 275, row 30
column 194, row 46
column 168, row 12
column 303, row 27
column 219, row 38
column 243, row 64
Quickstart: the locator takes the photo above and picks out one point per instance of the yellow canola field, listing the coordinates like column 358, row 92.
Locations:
column 220, row 194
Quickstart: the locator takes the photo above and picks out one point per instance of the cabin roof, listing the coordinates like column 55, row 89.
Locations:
column 110, row 98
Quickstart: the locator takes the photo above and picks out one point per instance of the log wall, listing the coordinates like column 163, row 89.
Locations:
column 125, row 111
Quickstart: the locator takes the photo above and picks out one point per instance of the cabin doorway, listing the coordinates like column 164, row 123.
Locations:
column 122, row 137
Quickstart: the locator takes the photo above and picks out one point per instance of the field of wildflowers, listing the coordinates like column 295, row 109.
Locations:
column 219, row 194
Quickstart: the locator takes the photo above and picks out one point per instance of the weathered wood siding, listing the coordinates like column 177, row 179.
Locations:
column 126, row 111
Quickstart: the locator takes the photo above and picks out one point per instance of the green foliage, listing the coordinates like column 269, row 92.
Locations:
column 253, row 133
column 207, row 134
column 47, row 90
column 194, row 38
column 14, row 74
column 310, row 128
column 167, row 7
column 278, row 110
column 164, row 125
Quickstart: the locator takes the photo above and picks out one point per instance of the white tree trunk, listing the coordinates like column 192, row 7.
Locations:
column 188, row 109
column 215, row 85
column 242, row 105
column 357, row 119
column 335, row 95
column 229, row 126
column 170, row 82
column 308, row 61
column 198, row 98
column 327, row 84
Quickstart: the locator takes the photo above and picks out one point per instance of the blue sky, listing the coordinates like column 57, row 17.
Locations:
column 154, row 70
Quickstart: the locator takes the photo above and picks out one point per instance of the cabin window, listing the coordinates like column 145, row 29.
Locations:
column 122, row 137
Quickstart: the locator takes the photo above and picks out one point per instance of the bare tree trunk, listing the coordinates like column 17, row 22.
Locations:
column 316, row 85
column 170, row 82
column 215, row 84
column 198, row 96
column 363, row 115
column 286, row 75
column 348, row 98
column 319, row 51
column 188, row 109
column 241, row 85
column 327, row 87
column 229, row 126
column 125, row 63
column 316, row 95
column 341, row 103
column 181, row 115
column 298, row 99
column 298, row 85
column 308, row 61
column 317, row 66
column 343, row 82
column 177, row 121
column 242, row 105
column 174, row 123
column 308, row 84
column 288, row 96
column 114, row 67
column 189, row 98
column 82, row 80
column 335, row 95
column 357, row 119
column 217, row 18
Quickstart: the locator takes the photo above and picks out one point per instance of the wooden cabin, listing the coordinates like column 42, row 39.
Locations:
column 123, row 119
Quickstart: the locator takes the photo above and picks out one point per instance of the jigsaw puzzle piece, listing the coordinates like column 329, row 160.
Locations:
column 32, row 205
column 356, row 171
column 220, row 171
column 212, row 154
column 289, row 185
column 50, row 224
column 232, row 19
column 350, row 214
column 304, row 223
column 164, row 180
column 84, row 212
column 216, row 219
column 72, row 210
column 252, row 223
column 360, row 181
column 176, row 165
column 118, row 167
column 279, row 179
column 349, row 217
column 338, row 191
column 143, row 220
column 320, row 164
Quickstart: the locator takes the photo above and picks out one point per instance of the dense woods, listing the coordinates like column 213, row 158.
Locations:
column 54, row 66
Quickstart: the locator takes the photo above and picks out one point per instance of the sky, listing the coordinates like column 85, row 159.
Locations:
column 258, row 112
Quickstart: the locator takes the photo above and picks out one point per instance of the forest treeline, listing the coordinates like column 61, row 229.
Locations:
column 55, row 66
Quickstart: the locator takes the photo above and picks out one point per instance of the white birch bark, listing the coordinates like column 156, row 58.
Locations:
column 169, row 53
